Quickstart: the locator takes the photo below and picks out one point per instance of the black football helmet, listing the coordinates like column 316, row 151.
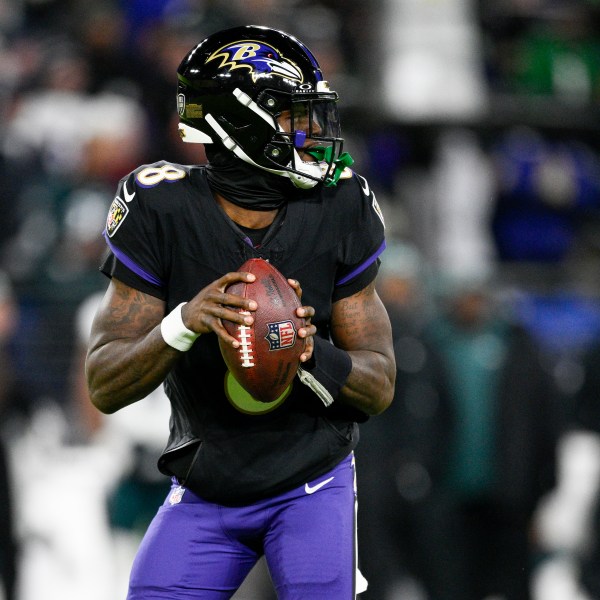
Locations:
column 239, row 85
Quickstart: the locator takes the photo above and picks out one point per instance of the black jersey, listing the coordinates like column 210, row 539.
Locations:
column 168, row 237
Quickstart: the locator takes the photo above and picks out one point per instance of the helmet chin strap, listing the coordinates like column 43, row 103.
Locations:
column 312, row 169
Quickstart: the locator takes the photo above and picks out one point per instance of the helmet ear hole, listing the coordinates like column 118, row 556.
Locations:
column 270, row 102
column 279, row 154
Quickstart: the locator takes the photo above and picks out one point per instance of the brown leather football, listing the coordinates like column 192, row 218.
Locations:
column 268, row 356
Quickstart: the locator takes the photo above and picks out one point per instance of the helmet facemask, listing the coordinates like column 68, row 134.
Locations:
column 278, row 132
column 309, row 124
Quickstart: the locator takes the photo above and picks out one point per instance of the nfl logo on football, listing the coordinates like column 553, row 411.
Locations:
column 281, row 335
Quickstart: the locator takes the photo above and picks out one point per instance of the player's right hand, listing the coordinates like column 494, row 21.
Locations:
column 211, row 305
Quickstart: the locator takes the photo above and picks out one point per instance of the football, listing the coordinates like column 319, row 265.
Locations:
column 268, row 356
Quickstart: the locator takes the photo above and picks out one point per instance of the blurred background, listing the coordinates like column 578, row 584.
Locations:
column 476, row 123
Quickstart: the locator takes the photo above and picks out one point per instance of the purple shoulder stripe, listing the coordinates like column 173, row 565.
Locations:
column 363, row 266
column 130, row 264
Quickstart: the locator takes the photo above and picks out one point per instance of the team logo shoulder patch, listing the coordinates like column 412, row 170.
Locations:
column 281, row 335
column 116, row 215
column 259, row 58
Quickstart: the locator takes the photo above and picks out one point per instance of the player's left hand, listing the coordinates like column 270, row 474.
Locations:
column 307, row 332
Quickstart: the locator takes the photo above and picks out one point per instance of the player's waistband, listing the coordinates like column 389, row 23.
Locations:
column 182, row 495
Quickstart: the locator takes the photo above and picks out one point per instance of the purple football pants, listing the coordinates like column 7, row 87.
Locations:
column 198, row 550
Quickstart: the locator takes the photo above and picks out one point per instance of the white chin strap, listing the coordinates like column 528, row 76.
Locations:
column 195, row 136
column 312, row 169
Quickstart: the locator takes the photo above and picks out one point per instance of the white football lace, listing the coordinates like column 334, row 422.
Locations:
column 245, row 339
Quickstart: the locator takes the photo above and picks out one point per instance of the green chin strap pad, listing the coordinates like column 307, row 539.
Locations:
column 323, row 154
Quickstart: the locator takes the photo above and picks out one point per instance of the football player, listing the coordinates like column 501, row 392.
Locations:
column 249, row 478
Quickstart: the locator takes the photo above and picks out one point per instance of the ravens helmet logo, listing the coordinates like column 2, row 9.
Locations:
column 258, row 57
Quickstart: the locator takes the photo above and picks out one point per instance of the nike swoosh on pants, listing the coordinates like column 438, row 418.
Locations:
column 312, row 489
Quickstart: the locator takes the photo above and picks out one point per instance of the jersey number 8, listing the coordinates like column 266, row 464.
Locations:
column 151, row 176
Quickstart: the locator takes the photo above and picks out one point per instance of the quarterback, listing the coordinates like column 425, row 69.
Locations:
column 249, row 478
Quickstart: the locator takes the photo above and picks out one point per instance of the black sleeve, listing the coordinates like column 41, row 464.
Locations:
column 358, row 283
column 360, row 249
column 111, row 267
column 133, row 236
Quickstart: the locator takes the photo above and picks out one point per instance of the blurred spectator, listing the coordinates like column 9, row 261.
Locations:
column 560, row 56
column 62, row 483
column 587, row 423
column 103, row 33
column 156, row 57
column 501, row 457
column 401, row 459
column 431, row 61
column 543, row 49
column 569, row 518
column 463, row 187
column 60, row 209
column 547, row 192
column 8, row 542
column 11, row 401
column 15, row 395
column 62, row 478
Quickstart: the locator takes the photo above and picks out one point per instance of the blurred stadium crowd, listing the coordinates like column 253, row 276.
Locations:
column 477, row 124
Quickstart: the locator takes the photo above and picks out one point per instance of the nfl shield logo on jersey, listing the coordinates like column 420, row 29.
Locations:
column 176, row 495
column 281, row 335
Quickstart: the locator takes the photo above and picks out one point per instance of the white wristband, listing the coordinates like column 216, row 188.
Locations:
column 175, row 333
